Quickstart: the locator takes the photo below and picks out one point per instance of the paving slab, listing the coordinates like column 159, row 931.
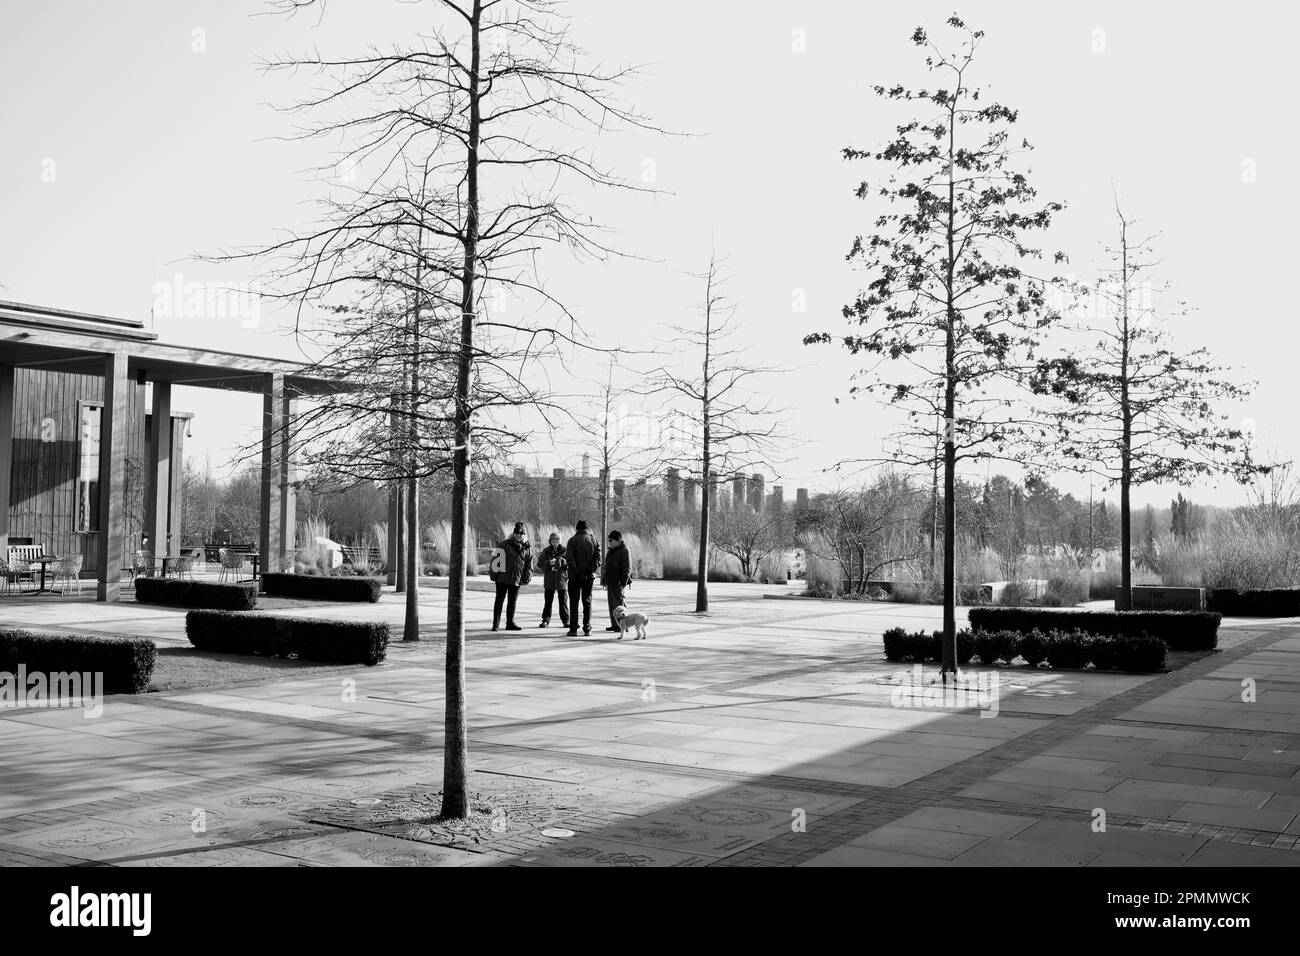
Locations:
column 770, row 739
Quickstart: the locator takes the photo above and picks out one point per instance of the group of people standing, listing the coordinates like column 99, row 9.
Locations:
column 568, row 571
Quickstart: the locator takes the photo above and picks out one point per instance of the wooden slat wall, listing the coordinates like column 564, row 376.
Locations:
column 46, row 430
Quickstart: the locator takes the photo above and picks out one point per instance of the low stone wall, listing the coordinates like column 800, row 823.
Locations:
column 1167, row 599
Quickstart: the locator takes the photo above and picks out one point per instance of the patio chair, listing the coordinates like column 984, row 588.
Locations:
column 183, row 566
column 69, row 571
column 232, row 563
column 15, row 570
column 5, row 581
column 141, row 565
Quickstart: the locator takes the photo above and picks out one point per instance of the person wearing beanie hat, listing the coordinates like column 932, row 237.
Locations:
column 555, row 576
column 512, row 568
column 582, row 554
column 616, row 576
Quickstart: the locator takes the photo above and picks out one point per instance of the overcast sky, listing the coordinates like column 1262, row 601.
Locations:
column 131, row 141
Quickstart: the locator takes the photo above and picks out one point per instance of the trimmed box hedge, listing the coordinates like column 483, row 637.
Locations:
column 1181, row 630
column 1271, row 602
column 323, row 587
column 126, row 663
column 178, row 592
column 925, row 645
column 311, row 639
column 1061, row 649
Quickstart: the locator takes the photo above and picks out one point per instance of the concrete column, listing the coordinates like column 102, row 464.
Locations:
column 391, row 558
column 269, row 535
column 6, row 451
column 158, row 477
column 112, row 477
column 288, row 493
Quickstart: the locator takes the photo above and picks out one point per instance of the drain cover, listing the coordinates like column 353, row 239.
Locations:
column 557, row 832
column 365, row 802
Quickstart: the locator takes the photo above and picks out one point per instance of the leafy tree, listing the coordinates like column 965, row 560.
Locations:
column 950, row 301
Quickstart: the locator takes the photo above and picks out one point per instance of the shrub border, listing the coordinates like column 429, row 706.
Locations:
column 126, row 663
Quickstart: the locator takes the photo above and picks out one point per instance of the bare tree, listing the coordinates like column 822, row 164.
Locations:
column 1132, row 410
column 718, row 426
column 486, row 102
column 617, row 452
column 867, row 529
column 749, row 536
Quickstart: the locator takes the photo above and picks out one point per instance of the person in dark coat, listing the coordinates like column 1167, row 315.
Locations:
column 555, row 577
column 512, row 568
column 616, row 576
column 583, row 556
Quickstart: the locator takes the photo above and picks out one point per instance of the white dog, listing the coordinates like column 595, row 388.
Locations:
column 635, row 620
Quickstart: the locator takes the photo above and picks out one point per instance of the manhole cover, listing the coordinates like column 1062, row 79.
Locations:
column 366, row 802
column 557, row 832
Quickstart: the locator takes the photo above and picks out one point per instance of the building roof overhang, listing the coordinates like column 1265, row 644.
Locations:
column 64, row 341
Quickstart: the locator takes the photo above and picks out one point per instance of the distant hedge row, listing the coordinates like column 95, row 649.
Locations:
column 178, row 592
column 323, row 587
column 312, row 639
column 125, row 662
column 1180, row 630
column 1061, row 649
column 1273, row 602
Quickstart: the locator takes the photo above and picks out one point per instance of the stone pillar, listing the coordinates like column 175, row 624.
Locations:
column 157, row 481
column 112, row 477
column 391, row 558
column 6, row 451
column 672, row 486
column 269, row 530
column 620, row 488
column 288, row 489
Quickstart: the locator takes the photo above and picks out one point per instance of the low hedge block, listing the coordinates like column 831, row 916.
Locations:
column 921, row 646
column 895, row 642
column 1181, row 630
column 323, row 587
column 1070, row 651
column 1061, row 649
column 995, row 646
column 1139, row 655
column 126, row 663
column 311, row 639
column 1272, row 602
column 1032, row 647
column 178, row 592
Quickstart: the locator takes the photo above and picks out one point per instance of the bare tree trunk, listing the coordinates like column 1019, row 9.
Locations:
column 1124, row 600
column 455, row 766
column 949, row 665
column 702, row 578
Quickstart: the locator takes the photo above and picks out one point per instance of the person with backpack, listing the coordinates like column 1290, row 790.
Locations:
column 582, row 554
column 555, row 576
column 512, row 568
